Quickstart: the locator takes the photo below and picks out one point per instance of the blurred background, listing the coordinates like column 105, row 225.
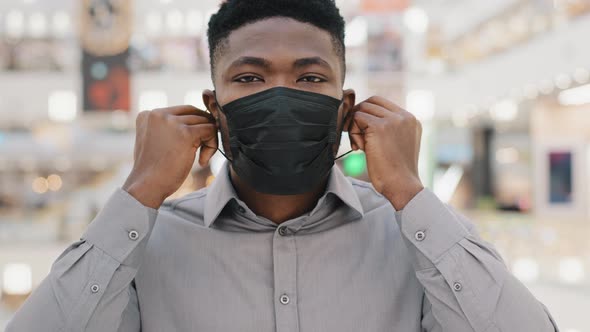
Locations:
column 502, row 88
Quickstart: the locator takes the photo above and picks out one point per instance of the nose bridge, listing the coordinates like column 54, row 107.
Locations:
column 283, row 57
column 283, row 76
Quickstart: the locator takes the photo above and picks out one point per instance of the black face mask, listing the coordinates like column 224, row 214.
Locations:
column 282, row 139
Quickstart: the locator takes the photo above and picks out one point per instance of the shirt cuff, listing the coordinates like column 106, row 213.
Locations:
column 430, row 226
column 121, row 225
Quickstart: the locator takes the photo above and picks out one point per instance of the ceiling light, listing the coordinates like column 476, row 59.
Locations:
column 582, row 75
column 575, row 96
column 421, row 104
column 149, row 100
column 526, row 269
column 416, row 19
column 61, row 23
column 194, row 22
column 356, row 32
column 54, row 182
column 571, row 270
column 153, row 23
column 40, row 185
column 17, row 279
column 563, row 81
column 504, row 111
column 174, row 21
column 37, row 25
column 14, row 23
column 62, row 106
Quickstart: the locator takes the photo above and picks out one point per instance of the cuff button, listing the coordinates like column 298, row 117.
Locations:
column 420, row 236
column 133, row 235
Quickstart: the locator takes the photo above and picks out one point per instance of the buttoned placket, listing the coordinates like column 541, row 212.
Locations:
column 285, row 279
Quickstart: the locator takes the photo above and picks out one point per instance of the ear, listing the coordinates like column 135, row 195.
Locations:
column 348, row 103
column 211, row 103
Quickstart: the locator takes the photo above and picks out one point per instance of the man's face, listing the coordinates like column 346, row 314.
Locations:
column 277, row 52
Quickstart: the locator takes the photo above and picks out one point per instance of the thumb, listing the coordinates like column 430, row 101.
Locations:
column 207, row 150
column 356, row 134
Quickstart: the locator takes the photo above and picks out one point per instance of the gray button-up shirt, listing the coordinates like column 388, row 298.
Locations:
column 207, row 263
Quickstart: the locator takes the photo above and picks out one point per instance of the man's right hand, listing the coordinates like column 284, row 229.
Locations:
column 166, row 143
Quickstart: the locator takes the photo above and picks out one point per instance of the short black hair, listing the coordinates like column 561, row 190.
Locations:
column 234, row 14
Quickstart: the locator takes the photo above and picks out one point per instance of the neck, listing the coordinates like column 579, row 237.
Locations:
column 277, row 208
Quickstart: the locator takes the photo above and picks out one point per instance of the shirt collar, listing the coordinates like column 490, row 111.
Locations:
column 342, row 188
column 221, row 192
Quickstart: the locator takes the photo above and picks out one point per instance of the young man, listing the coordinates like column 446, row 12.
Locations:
column 281, row 241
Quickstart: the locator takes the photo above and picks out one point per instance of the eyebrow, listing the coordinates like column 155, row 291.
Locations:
column 305, row 62
column 265, row 64
column 251, row 61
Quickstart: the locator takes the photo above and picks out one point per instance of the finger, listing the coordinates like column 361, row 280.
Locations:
column 184, row 110
column 365, row 120
column 205, row 155
column 205, row 138
column 356, row 135
column 202, row 133
column 208, row 149
column 357, row 140
column 193, row 119
column 385, row 103
column 372, row 109
column 348, row 121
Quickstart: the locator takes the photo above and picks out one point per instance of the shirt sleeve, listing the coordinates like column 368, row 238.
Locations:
column 90, row 285
column 467, row 284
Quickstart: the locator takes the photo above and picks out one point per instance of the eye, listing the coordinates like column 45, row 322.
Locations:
column 248, row 79
column 311, row 79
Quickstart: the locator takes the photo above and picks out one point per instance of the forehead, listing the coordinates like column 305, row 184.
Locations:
column 278, row 39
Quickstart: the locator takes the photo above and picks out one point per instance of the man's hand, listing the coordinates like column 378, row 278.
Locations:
column 166, row 143
column 390, row 138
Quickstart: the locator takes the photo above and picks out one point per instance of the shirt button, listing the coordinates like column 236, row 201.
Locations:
column 133, row 235
column 241, row 209
column 283, row 231
column 457, row 286
column 95, row 288
column 284, row 299
column 420, row 235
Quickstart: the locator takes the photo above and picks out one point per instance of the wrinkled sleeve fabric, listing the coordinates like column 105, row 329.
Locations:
column 467, row 285
column 90, row 285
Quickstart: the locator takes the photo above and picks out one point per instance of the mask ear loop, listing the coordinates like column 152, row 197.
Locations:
column 220, row 127
column 344, row 119
column 218, row 149
column 344, row 155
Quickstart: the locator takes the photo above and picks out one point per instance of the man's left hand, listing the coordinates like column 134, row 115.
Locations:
column 390, row 138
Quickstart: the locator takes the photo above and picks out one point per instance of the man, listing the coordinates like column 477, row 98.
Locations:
column 281, row 241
